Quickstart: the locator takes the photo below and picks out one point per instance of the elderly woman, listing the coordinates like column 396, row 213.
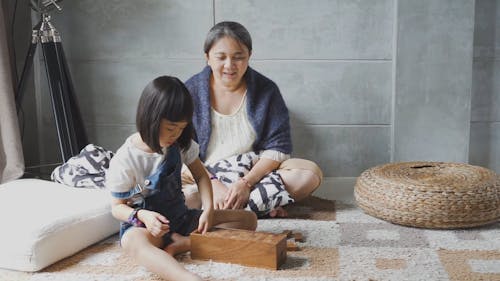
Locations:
column 242, row 127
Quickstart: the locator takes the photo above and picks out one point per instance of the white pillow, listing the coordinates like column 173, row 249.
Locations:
column 43, row 222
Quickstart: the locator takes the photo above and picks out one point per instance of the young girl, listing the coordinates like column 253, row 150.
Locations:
column 145, row 181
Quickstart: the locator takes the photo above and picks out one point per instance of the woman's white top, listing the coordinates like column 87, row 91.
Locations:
column 233, row 134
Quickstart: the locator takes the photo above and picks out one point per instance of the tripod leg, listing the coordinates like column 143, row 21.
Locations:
column 28, row 63
column 77, row 121
column 63, row 102
column 55, row 88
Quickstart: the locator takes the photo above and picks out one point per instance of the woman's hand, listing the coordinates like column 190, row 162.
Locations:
column 238, row 195
column 206, row 220
column 155, row 223
column 220, row 192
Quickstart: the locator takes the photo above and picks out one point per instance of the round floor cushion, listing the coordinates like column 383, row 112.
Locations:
column 430, row 194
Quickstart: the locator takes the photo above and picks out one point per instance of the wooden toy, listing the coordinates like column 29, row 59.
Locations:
column 249, row 248
column 288, row 233
column 298, row 237
column 291, row 246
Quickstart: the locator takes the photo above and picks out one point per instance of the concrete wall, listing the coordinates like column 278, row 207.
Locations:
column 485, row 117
column 366, row 81
column 433, row 80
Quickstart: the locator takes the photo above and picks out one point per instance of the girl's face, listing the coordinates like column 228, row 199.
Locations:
column 170, row 131
column 228, row 59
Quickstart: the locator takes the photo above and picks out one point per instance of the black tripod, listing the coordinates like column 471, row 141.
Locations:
column 69, row 124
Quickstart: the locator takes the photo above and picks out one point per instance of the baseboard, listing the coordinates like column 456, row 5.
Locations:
column 336, row 188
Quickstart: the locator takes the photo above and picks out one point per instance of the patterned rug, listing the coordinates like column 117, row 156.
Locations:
column 341, row 243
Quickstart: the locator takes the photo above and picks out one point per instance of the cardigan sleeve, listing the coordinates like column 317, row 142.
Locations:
column 198, row 87
column 276, row 133
column 268, row 113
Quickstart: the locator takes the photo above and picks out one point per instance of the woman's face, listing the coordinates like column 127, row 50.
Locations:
column 228, row 59
column 170, row 131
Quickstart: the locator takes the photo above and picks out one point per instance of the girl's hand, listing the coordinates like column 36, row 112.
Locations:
column 155, row 223
column 238, row 196
column 206, row 221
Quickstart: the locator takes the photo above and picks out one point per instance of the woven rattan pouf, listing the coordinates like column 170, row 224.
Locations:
column 430, row 194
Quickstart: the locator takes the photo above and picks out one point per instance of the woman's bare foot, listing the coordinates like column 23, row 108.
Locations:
column 180, row 244
column 278, row 212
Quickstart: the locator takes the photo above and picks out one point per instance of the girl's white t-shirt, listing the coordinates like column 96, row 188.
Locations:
column 131, row 165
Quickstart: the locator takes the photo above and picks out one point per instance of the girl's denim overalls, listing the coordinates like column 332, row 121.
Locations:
column 162, row 193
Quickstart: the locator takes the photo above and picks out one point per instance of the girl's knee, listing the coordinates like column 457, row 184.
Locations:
column 251, row 221
column 129, row 243
column 240, row 219
column 248, row 220
column 134, row 240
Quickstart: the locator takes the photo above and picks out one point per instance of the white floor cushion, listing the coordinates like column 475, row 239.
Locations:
column 43, row 222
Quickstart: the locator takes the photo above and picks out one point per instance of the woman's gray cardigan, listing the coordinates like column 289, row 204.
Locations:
column 266, row 109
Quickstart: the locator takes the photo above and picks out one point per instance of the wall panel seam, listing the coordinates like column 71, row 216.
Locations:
column 394, row 77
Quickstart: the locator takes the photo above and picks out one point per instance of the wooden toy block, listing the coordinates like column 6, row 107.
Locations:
column 288, row 233
column 249, row 248
column 298, row 237
column 291, row 246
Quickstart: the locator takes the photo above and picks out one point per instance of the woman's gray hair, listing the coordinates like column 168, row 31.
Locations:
column 228, row 28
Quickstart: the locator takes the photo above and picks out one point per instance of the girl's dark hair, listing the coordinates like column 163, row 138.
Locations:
column 228, row 28
column 165, row 97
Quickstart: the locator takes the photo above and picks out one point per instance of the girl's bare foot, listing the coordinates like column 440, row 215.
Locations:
column 180, row 244
column 278, row 212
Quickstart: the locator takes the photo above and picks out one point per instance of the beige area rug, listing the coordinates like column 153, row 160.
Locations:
column 341, row 243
